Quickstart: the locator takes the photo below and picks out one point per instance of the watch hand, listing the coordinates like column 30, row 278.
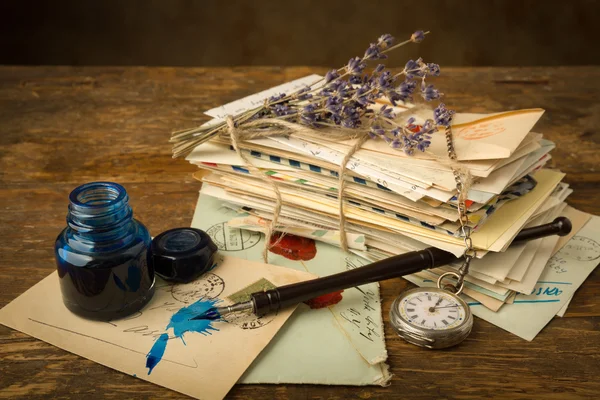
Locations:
column 456, row 305
column 432, row 309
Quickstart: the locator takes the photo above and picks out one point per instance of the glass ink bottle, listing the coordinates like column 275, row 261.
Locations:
column 102, row 254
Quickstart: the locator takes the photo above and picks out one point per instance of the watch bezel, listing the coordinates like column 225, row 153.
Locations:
column 426, row 337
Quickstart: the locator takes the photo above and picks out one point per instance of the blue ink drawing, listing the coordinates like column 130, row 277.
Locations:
column 182, row 322
column 156, row 352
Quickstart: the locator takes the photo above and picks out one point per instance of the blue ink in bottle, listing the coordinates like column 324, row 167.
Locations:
column 182, row 322
column 102, row 254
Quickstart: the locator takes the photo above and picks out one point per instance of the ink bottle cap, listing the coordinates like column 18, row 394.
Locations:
column 182, row 254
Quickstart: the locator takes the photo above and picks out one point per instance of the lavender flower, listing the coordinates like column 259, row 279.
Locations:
column 422, row 139
column 423, row 145
column 386, row 112
column 333, row 103
column 355, row 79
column 362, row 96
column 276, row 98
column 340, row 88
column 374, row 53
column 406, row 90
column 303, row 94
column 410, row 124
column 331, row 75
column 411, row 136
column 429, row 92
column 344, row 98
column 428, row 127
column 308, row 115
column 376, row 131
column 345, row 102
column 418, row 36
column 413, row 69
column 396, row 144
column 283, row 109
column 355, row 66
column 442, row 116
column 351, row 117
column 385, row 41
column 385, row 81
column 433, row 69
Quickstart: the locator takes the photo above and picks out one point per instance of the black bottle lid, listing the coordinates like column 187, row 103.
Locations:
column 182, row 254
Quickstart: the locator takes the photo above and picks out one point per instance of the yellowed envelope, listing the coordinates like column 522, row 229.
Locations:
column 508, row 220
column 494, row 235
column 493, row 136
column 429, row 170
column 578, row 220
column 234, row 183
column 205, row 366
column 476, row 136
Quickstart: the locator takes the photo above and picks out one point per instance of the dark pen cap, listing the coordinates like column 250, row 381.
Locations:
column 182, row 254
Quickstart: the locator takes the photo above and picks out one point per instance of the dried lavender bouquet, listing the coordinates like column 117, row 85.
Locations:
column 340, row 103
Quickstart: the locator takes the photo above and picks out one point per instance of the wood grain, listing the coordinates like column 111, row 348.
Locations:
column 63, row 126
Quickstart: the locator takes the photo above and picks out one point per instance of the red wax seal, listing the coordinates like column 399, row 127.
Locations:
column 325, row 300
column 415, row 128
column 293, row 247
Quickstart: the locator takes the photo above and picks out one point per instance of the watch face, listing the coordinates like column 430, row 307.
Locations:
column 436, row 310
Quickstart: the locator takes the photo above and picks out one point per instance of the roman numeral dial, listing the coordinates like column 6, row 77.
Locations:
column 432, row 310
column 431, row 317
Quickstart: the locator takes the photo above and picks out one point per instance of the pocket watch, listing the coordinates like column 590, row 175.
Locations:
column 432, row 317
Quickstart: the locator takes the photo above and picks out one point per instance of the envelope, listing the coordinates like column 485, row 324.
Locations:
column 369, row 171
column 493, row 136
column 213, row 153
column 257, row 99
column 427, row 171
column 159, row 343
column 242, row 186
column 253, row 223
column 476, row 136
column 508, row 220
column 562, row 276
column 343, row 344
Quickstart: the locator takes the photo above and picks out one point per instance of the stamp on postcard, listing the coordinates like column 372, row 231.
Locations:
column 250, row 321
column 480, row 131
column 581, row 248
column 208, row 286
column 232, row 239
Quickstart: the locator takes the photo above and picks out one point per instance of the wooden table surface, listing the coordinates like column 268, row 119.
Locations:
column 64, row 126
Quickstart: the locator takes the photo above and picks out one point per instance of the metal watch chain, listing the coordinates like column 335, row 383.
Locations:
column 469, row 253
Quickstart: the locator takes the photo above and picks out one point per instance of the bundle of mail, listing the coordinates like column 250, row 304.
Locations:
column 396, row 203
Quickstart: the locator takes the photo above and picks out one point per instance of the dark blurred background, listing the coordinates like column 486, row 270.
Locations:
column 295, row 32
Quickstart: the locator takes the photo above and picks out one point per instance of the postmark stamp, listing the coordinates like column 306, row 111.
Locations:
column 208, row 286
column 581, row 248
column 232, row 239
column 250, row 321
column 480, row 131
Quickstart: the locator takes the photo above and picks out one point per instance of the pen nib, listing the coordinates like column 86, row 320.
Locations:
column 216, row 313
